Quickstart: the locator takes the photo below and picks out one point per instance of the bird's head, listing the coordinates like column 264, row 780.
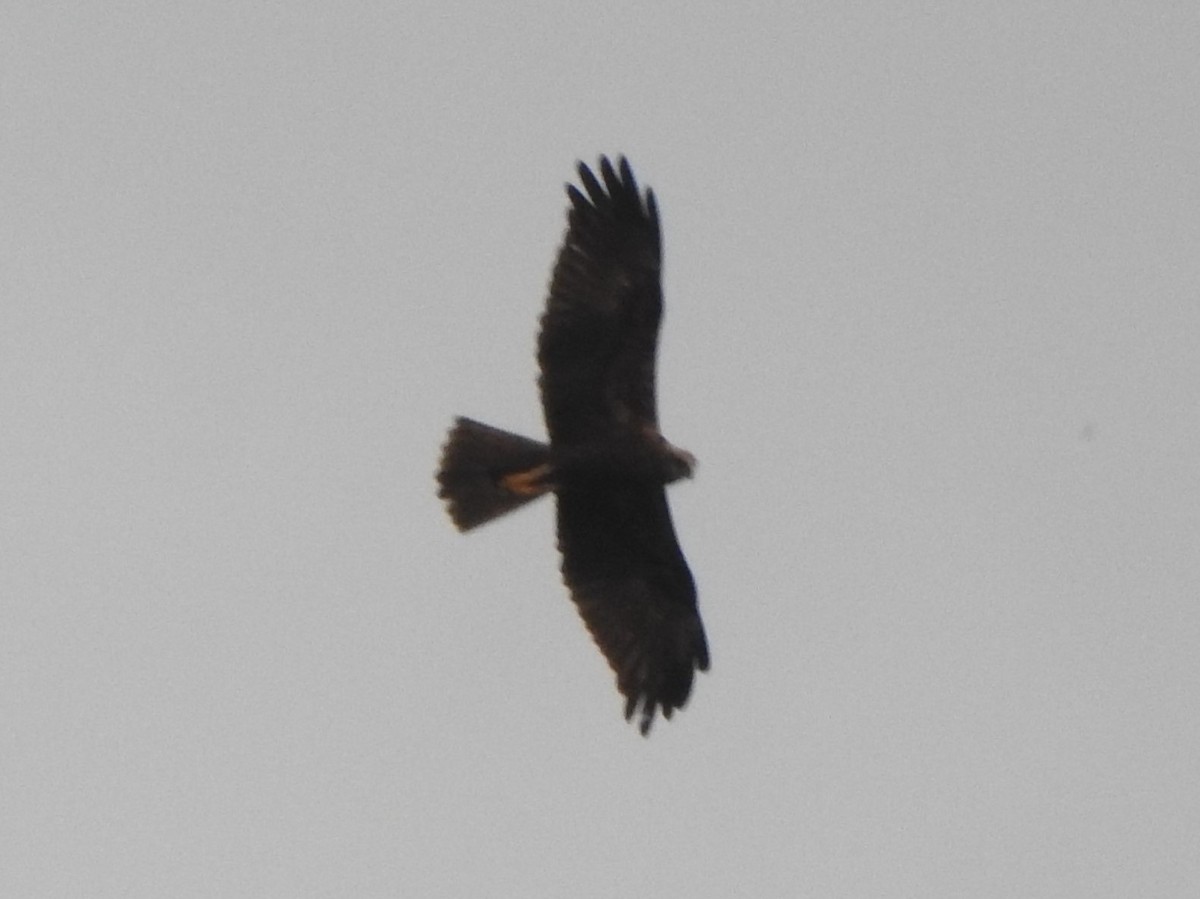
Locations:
column 680, row 463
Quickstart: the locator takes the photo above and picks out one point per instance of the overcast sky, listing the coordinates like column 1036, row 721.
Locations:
column 932, row 276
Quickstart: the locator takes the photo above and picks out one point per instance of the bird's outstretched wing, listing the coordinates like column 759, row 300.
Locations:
column 599, row 333
column 620, row 557
column 631, row 584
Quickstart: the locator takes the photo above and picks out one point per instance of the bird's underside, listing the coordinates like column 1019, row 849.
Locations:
column 605, row 461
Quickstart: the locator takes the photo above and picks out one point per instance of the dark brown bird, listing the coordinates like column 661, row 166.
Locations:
column 606, row 462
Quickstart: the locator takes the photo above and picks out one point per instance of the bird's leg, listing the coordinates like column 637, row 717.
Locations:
column 531, row 482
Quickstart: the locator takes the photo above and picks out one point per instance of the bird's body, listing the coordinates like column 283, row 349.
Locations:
column 606, row 461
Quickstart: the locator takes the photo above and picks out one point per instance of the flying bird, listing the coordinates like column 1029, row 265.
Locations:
column 606, row 462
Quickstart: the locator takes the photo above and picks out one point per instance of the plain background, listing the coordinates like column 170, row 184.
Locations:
column 932, row 272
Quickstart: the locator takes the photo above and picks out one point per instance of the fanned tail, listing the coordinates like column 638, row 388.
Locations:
column 486, row 472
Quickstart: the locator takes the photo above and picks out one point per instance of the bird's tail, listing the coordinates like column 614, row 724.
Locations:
column 486, row 472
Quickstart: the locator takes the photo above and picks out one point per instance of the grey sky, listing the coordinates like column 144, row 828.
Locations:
column 932, row 274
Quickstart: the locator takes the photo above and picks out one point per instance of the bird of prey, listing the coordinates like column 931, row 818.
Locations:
column 606, row 462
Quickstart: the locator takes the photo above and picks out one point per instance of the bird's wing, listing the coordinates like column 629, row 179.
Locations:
column 632, row 586
column 599, row 332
